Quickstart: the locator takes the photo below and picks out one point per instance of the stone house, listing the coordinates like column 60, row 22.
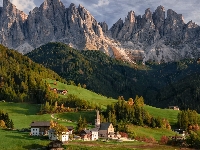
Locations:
column 39, row 128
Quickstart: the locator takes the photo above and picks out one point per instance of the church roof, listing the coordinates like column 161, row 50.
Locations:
column 105, row 126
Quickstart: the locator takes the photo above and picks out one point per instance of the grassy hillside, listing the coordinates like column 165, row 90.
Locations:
column 23, row 114
column 169, row 114
column 82, row 93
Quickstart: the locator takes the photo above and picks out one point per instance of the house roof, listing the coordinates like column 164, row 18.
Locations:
column 40, row 124
column 85, row 132
column 51, row 131
column 104, row 126
column 70, row 127
column 94, row 129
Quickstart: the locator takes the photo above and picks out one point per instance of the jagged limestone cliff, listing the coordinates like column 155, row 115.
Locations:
column 151, row 36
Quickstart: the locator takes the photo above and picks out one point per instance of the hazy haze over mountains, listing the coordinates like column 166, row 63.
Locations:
column 111, row 10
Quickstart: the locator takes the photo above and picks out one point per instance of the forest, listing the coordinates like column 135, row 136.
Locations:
column 22, row 80
column 157, row 83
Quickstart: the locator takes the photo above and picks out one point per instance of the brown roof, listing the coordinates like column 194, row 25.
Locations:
column 40, row 124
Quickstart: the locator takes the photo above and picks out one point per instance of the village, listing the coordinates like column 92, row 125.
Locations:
column 104, row 131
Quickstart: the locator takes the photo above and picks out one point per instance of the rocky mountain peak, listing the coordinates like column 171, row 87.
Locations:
column 131, row 17
column 6, row 3
column 152, row 36
column 172, row 15
column 104, row 26
column 148, row 14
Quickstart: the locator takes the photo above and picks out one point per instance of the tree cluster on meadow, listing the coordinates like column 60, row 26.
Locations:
column 5, row 121
column 69, row 104
column 132, row 112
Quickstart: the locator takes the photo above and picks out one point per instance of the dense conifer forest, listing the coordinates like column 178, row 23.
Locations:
column 21, row 79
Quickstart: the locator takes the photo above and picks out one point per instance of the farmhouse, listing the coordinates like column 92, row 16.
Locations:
column 55, row 90
column 174, row 107
column 39, row 128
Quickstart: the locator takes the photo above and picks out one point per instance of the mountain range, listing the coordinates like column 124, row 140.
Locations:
column 155, row 36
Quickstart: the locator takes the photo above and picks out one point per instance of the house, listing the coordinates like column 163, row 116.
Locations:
column 180, row 132
column 63, row 92
column 52, row 135
column 94, row 134
column 64, row 137
column 174, row 107
column 106, row 130
column 89, row 135
column 70, row 129
column 39, row 128
column 55, row 90
column 118, row 135
column 55, row 145
column 85, row 135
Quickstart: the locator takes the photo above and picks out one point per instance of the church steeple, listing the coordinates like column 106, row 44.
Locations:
column 97, row 120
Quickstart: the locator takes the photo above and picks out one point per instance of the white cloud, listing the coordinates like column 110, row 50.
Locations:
column 24, row 5
column 102, row 3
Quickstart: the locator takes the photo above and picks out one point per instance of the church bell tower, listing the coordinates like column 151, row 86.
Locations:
column 97, row 120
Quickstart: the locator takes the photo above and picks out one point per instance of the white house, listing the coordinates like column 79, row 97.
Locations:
column 94, row 134
column 39, row 128
column 63, row 137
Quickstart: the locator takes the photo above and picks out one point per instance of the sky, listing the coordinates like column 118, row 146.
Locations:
column 112, row 10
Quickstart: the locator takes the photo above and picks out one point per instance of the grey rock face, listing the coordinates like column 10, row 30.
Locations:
column 151, row 36
column 51, row 22
column 156, row 37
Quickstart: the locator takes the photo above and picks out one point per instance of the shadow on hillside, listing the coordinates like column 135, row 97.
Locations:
column 35, row 146
column 22, row 108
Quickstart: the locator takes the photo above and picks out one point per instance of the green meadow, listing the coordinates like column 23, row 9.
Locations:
column 82, row 93
column 23, row 114
column 15, row 140
column 169, row 114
